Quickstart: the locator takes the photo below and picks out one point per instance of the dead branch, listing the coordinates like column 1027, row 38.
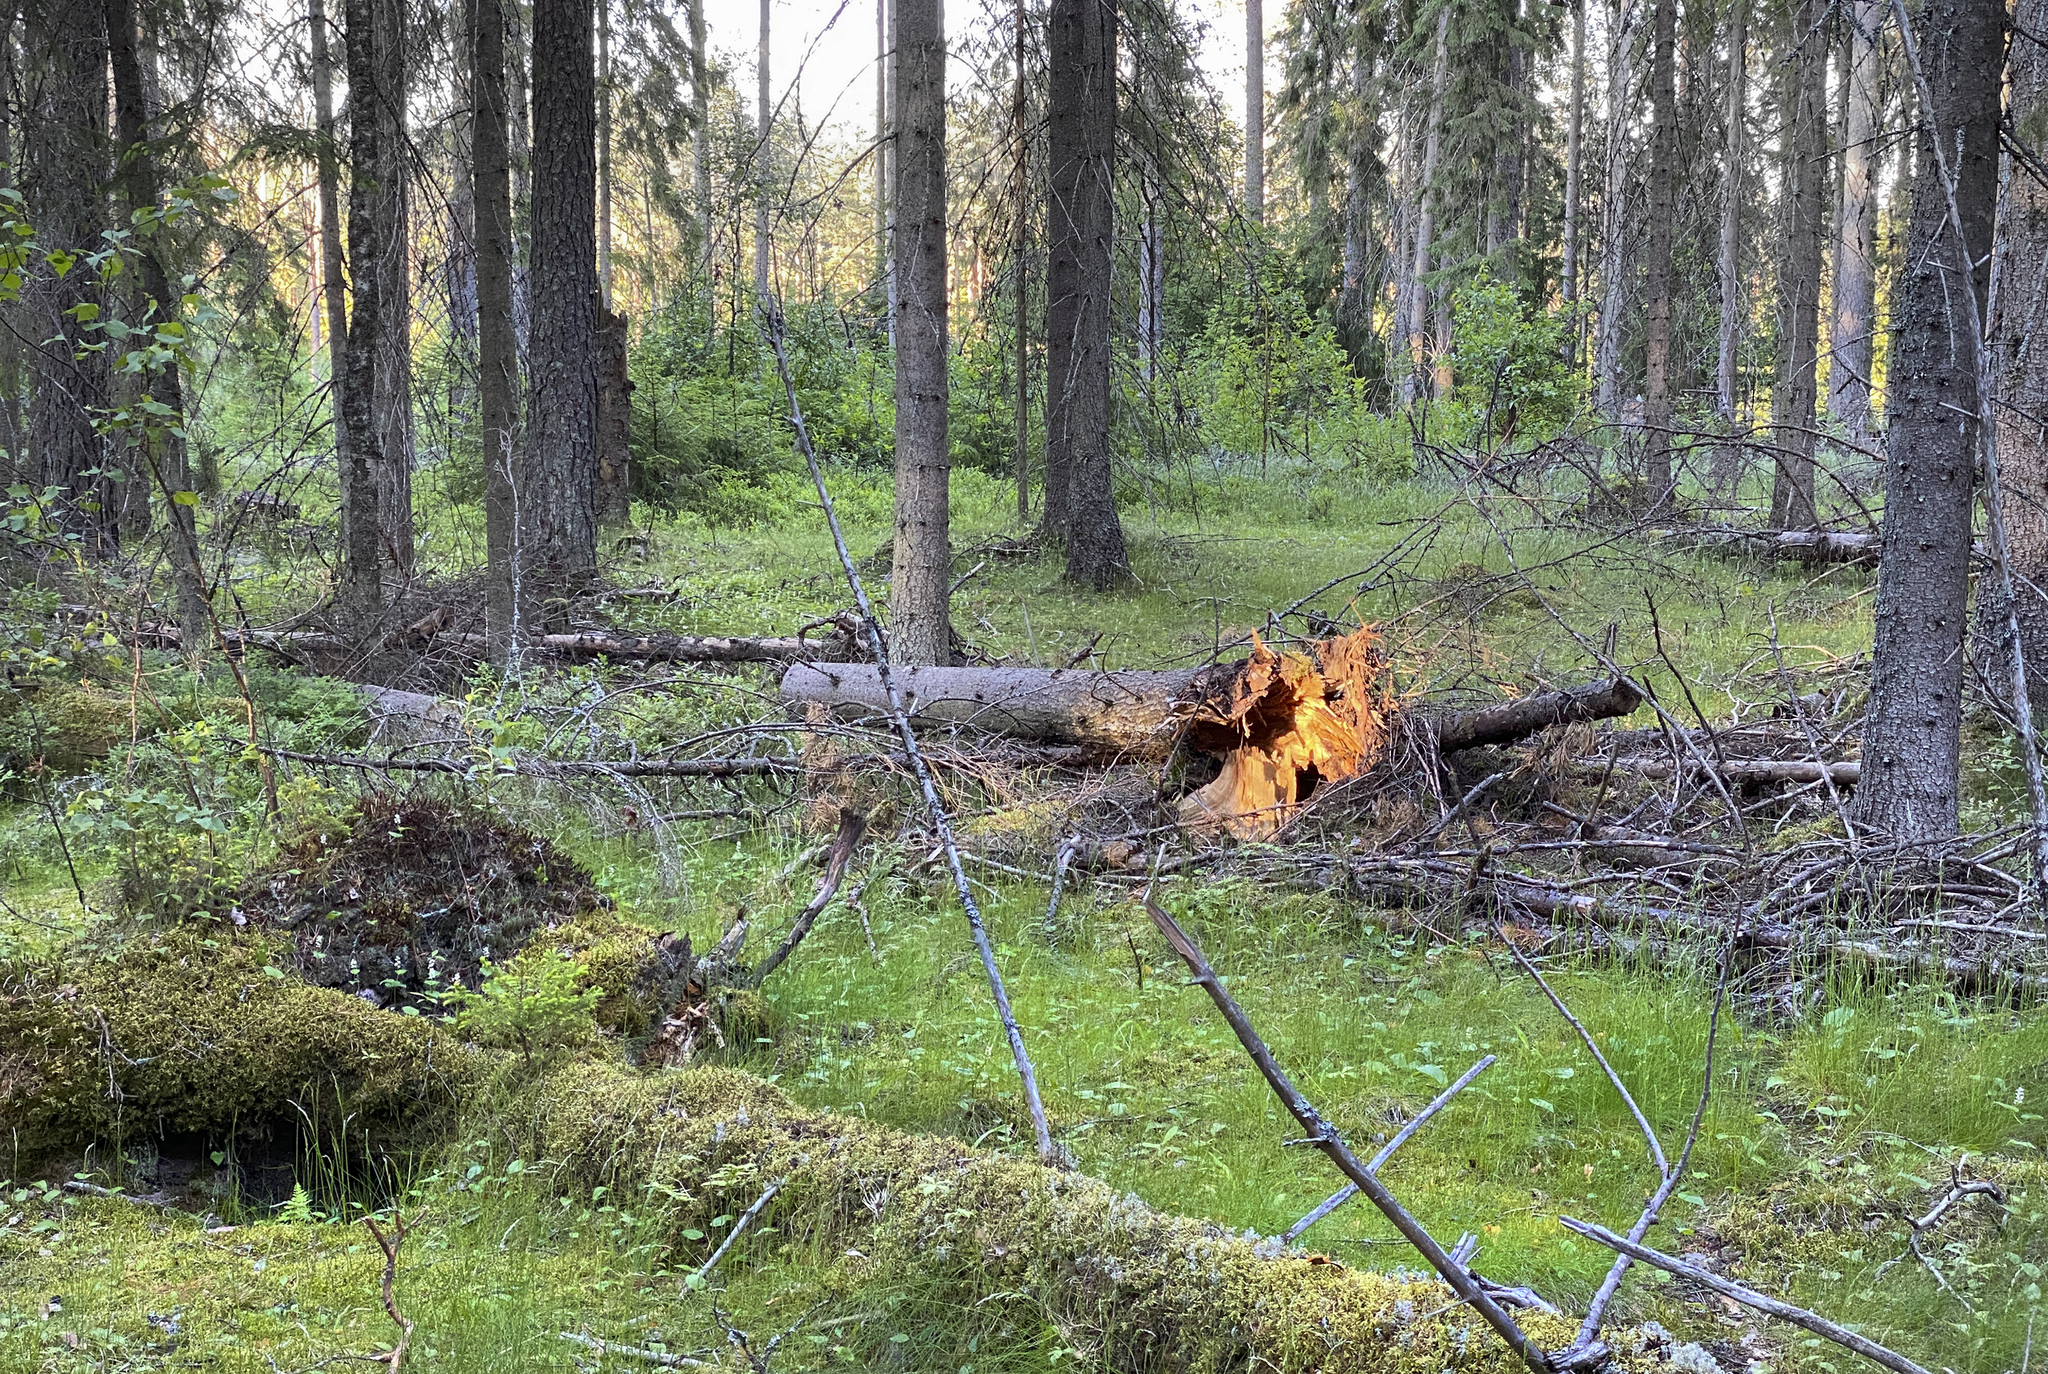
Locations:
column 1325, row 1138
column 1378, row 1161
column 400, row 1228
column 1748, row 1297
column 1742, row 772
column 1513, row 720
column 852, row 825
column 530, row 767
column 702, row 1275
column 662, row 1358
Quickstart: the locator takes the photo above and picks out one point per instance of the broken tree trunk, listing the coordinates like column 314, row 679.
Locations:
column 1513, row 720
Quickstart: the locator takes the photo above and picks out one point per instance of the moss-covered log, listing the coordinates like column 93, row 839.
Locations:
column 1009, row 1238
column 210, row 1036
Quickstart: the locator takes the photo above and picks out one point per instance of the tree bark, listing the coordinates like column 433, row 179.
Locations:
column 1730, row 258
column 1911, row 744
column 67, row 170
column 362, row 436
column 163, row 451
column 1020, row 266
column 497, row 339
column 1855, row 285
column 1080, row 505
column 1255, row 111
column 333, row 273
column 2019, row 336
column 604, row 172
column 392, row 187
column 1614, row 228
column 557, row 467
column 1568, row 275
column 614, row 421
column 922, row 567
column 763, row 161
column 1805, row 112
column 700, row 135
column 1425, row 217
column 1657, row 399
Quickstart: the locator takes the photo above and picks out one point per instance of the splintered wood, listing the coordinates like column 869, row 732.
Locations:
column 1285, row 724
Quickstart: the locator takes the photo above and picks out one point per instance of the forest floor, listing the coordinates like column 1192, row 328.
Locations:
column 1844, row 1107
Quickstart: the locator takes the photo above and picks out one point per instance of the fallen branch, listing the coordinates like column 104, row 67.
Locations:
column 1743, row 772
column 852, row 825
column 635, row 1352
column 390, row 1245
column 702, row 1275
column 1513, row 720
column 1325, row 1138
column 1378, row 1161
column 1748, row 1297
column 530, row 767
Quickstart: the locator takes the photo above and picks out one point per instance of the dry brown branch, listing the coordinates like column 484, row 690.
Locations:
column 390, row 1245
column 852, row 825
column 1325, row 1138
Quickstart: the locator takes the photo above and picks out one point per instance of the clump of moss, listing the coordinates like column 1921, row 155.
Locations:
column 1001, row 1235
column 57, row 725
column 414, row 895
column 190, row 1034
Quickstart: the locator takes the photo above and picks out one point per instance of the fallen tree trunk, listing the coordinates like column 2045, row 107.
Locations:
column 1513, row 720
column 1804, row 546
column 1746, row 772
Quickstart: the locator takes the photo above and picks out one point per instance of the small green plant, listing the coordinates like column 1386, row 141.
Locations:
column 532, row 1001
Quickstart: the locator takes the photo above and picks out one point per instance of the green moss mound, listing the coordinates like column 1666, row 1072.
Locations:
column 59, row 726
column 1142, row 1289
column 186, row 1034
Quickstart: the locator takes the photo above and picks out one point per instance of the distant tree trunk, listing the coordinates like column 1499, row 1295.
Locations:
column 1855, row 286
column 558, row 472
column 1425, row 216
column 614, row 421
column 165, row 454
column 1614, row 228
column 1657, row 400
column 1020, row 250
column 67, row 169
column 1805, row 107
column 2019, row 335
column 1080, row 503
column 922, row 569
column 763, row 162
column 497, row 338
column 1911, row 761
column 700, row 136
column 519, row 107
column 459, row 271
column 1400, row 355
column 1730, row 261
column 884, row 187
column 1255, row 111
column 392, row 179
column 361, row 446
column 1354, row 304
column 1568, row 275
column 13, row 461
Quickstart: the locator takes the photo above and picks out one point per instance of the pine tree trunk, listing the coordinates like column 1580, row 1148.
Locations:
column 1354, row 305
column 13, row 453
column 1615, row 229
column 700, row 135
column 1730, row 260
column 614, row 421
column 1020, row 266
column 1657, row 400
column 1855, row 286
column 333, row 276
column 164, row 454
column 557, row 474
column 2019, row 339
column 1425, row 217
column 497, row 340
column 1255, row 111
column 459, row 270
column 362, row 435
column 921, row 574
column 393, row 205
column 1805, row 163
column 1911, row 762
column 604, row 155
column 1568, row 275
column 67, row 169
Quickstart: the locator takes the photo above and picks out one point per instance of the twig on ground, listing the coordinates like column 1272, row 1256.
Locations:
column 1378, row 1161
column 1326, row 1138
column 852, row 825
column 1061, row 861
column 1957, row 1192
column 942, row 826
column 702, row 1275
column 85, row 1189
column 390, row 1244
column 662, row 1358
column 1748, row 1297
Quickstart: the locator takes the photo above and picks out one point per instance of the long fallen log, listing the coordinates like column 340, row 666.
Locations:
column 1744, row 772
column 1513, row 720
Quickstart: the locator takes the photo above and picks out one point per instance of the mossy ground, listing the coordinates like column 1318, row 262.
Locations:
column 1826, row 1133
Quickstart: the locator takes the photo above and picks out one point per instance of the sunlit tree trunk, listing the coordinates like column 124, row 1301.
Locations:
column 1255, row 111
column 1911, row 781
column 1425, row 217
column 700, row 136
column 1730, row 260
column 763, row 161
column 1574, row 148
column 1614, row 227
column 921, row 571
